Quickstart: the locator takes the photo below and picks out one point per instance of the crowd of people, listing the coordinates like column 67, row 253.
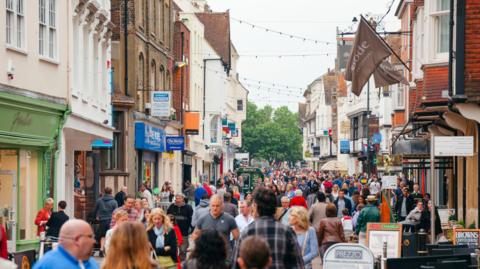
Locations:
column 288, row 220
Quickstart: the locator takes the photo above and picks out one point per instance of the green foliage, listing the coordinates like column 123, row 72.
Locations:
column 272, row 135
column 472, row 226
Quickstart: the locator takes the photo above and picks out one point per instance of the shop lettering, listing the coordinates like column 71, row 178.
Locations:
column 21, row 119
column 361, row 50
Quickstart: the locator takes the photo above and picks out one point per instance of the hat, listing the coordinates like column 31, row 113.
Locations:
column 371, row 198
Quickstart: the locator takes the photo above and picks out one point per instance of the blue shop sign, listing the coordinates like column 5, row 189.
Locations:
column 175, row 143
column 102, row 143
column 149, row 138
column 344, row 146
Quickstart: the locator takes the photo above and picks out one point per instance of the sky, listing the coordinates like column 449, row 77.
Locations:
column 312, row 19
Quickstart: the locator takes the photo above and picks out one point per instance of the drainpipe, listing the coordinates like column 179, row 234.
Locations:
column 478, row 174
column 125, row 51
column 464, row 190
column 450, row 48
column 460, row 53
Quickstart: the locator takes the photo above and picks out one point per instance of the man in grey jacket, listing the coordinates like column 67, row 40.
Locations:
column 201, row 210
column 104, row 208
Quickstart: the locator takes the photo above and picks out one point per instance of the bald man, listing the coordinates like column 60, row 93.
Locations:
column 223, row 222
column 74, row 250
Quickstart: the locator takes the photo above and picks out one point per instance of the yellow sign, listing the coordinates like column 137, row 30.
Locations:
column 170, row 155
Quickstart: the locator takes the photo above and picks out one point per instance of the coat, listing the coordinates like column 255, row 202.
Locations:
column 42, row 215
column 170, row 240
column 369, row 213
column 410, row 204
column 348, row 205
column 183, row 216
column 104, row 207
column 57, row 219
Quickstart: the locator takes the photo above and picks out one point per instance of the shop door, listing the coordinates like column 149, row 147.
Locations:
column 8, row 205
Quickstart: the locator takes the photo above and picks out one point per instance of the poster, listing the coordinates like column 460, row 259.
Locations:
column 160, row 103
column 391, row 233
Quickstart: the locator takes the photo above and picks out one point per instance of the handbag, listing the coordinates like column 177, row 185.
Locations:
column 164, row 261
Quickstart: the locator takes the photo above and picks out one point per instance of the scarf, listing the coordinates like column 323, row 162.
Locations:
column 160, row 243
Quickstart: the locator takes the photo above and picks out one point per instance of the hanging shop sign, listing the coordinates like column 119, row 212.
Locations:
column 148, row 137
column 344, row 146
column 160, row 103
column 191, row 123
column 175, row 143
column 389, row 182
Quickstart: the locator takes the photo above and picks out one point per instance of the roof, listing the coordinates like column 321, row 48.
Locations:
column 217, row 33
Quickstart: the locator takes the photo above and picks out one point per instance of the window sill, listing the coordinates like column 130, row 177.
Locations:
column 16, row 49
column 49, row 60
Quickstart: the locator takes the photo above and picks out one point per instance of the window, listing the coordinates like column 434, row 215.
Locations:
column 240, row 105
column 47, row 40
column 15, row 23
column 214, row 130
column 354, row 133
column 140, row 82
column 111, row 157
column 400, row 96
column 441, row 18
column 364, row 125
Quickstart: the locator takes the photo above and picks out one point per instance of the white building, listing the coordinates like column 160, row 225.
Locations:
column 89, row 96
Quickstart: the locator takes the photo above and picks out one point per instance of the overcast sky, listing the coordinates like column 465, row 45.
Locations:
column 314, row 19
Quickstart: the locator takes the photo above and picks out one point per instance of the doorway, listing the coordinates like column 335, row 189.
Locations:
column 8, row 206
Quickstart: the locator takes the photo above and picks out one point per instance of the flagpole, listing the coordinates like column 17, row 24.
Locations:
column 386, row 44
column 368, row 128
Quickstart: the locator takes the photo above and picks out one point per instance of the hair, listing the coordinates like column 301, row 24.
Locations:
column 298, row 192
column 210, row 250
column 145, row 219
column 321, row 197
column 167, row 224
column 301, row 214
column 331, row 210
column 265, row 200
column 255, row 252
column 119, row 214
column 285, row 199
column 216, row 197
column 108, row 190
column 128, row 196
column 345, row 212
column 227, row 197
column 355, row 193
column 129, row 248
column 360, row 207
column 172, row 219
column 62, row 204
column 49, row 200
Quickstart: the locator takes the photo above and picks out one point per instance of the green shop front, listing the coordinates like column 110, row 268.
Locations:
column 28, row 132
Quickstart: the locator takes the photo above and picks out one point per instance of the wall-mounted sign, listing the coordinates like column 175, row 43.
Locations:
column 344, row 146
column 468, row 237
column 148, row 137
column 391, row 233
column 453, row 145
column 175, row 143
column 160, row 103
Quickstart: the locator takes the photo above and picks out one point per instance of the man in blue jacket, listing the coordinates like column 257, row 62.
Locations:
column 74, row 249
column 343, row 202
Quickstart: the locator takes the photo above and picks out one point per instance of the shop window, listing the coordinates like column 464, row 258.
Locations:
column 29, row 194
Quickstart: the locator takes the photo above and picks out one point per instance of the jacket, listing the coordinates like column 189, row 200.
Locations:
column 120, row 198
column 42, row 215
column 410, row 204
column 170, row 240
column 201, row 210
column 348, row 205
column 57, row 219
column 104, row 207
column 183, row 216
column 330, row 230
column 298, row 201
column 369, row 213
column 316, row 213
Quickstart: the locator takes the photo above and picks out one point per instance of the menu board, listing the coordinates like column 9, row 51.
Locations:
column 468, row 237
column 391, row 233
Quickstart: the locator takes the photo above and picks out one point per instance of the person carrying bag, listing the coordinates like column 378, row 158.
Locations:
column 162, row 239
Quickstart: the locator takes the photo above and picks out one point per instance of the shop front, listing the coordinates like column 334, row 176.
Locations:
column 28, row 132
column 149, row 144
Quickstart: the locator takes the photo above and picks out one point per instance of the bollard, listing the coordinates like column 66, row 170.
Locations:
column 422, row 243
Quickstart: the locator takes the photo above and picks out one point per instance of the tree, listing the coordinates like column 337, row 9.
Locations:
column 272, row 134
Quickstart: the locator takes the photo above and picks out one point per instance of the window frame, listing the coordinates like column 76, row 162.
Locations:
column 14, row 28
column 434, row 18
column 48, row 42
column 239, row 104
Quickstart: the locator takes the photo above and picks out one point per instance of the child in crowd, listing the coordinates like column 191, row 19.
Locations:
column 120, row 217
column 347, row 224
column 254, row 253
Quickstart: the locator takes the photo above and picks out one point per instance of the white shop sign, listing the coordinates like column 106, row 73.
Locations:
column 453, row 145
column 348, row 256
column 160, row 103
column 389, row 182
